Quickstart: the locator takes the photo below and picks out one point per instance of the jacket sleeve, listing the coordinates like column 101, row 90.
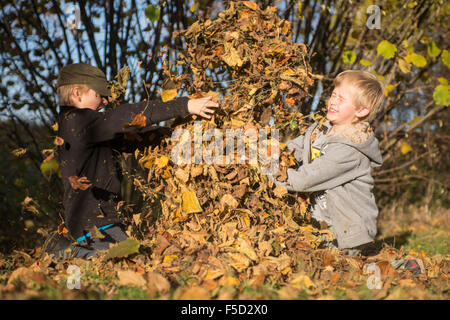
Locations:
column 106, row 127
column 336, row 167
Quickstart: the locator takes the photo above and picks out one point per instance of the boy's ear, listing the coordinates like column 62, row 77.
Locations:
column 76, row 93
column 362, row 112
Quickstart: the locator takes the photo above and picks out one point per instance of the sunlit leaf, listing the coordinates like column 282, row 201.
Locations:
column 433, row 50
column 405, row 148
column 190, row 202
column 250, row 5
column 441, row 95
column 162, row 161
column 404, row 66
column 446, row 58
column 123, row 249
column 169, row 94
column 416, row 59
column 386, row 49
column 348, row 57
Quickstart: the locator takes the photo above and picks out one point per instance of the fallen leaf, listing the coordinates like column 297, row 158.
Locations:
column 162, row 161
column 157, row 283
column 131, row 278
column 195, row 293
column 190, row 202
column 280, row 191
column 229, row 281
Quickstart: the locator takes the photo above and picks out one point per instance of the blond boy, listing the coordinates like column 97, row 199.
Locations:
column 336, row 166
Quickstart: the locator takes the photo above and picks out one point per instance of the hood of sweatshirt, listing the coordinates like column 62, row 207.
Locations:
column 361, row 138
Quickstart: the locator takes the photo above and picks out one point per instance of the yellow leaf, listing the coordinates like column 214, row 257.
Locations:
column 169, row 94
column 229, row 281
column 55, row 126
column 19, row 152
column 231, row 56
column 246, row 219
column 169, row 257
column 146, row 162
column 302, row 281
column 162, row 161
column 405, row 148
column 280, row 191
column 228, row 200
column 404, row 66
column 315, row 153
column 250, row 5
column 237, row 124
column 190, row 202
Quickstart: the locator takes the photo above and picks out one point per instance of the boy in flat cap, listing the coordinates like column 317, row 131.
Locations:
column 87, row 152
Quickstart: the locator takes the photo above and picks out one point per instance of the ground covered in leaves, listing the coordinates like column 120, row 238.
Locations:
column 186, row 264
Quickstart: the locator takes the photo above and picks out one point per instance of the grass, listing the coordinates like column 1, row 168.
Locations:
column 432, row 241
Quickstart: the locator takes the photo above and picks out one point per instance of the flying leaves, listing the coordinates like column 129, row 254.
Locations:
column 139, row 121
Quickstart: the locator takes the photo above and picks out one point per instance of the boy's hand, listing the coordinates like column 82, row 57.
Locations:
column 202, row 107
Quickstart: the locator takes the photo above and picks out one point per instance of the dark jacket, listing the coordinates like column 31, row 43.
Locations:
column 89, row 138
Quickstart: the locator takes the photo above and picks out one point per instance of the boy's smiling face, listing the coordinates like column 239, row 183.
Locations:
column 341, row 110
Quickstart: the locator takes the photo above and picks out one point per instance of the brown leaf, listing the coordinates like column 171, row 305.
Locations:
column 195, row 293
column 139, row 121
column 131, row 278
column 25, row 275
column 95, row 233
column 190, row 202
column 157, row 283
column 79, row 183
column 280, row 191
column 58, row 141
column 250, row 5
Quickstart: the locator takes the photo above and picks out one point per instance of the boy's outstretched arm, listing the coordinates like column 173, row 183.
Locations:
column 326, row 172
column 106, row 127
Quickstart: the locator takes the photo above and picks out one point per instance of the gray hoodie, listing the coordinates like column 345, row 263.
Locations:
column 340, row 180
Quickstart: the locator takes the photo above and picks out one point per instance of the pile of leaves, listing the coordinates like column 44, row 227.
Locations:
column 225, row 231
column 229, row 219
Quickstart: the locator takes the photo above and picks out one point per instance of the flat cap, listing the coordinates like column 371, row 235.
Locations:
column 83, row 73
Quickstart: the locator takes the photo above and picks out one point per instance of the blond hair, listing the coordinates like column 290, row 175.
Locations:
column 369, row 90
column 65, row 93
